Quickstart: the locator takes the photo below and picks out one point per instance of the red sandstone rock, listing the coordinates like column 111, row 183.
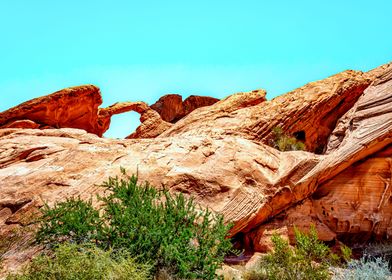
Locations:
column 21, row 124
column 194, row 102
column 228, row 175
column 171, row 108
column 75, row 107
column 312, row 110
column 151, row 123
column 216, row 155
column 350, row 185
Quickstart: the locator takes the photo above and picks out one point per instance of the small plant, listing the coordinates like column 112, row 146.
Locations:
column 308, row 259
column 283, row 142
column 310, row 247
column 155, row 226
column 72, row 261
column 346, row 253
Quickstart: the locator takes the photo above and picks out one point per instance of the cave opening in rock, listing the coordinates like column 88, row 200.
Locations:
column 300, row 135
column 122, row 125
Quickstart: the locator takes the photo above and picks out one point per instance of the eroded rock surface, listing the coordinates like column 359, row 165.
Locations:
column 171, row 107
column 151, row 122
column 351, row 197
column 229, row 175
column 311, row 110
column 75, row 107
column 217, row 155
column 78, row 107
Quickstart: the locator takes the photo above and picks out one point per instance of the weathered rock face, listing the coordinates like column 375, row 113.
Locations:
column 312, row 110
column 359, row 200
column 171, row 107
column 350, row 185
column 228, row 175
column 151, row 123
column 194, row 102
column 354, row 206
column 75, row 107
column 216, row 154
column 357, row 203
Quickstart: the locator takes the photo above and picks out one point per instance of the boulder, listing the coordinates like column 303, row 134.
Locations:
column 75, row 107
column 171, row 107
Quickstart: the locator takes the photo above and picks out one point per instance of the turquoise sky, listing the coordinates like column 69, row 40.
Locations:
column 141, row 50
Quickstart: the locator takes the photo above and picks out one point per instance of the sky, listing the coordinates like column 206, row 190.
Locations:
column 141, row 50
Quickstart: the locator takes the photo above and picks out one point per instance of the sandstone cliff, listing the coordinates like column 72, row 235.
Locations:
column 217, row 154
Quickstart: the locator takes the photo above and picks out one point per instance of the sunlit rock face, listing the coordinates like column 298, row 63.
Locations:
column 78, row 107
column 351, row 197
column 311, row 110
column 216, row 154
column 75, row 107
column 171, row 107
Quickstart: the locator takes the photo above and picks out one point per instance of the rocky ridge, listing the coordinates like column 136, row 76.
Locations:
column 51, row 148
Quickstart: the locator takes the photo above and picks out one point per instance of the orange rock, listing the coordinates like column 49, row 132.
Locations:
column 75, row 107
column 300, row 216
column 171, row 108
column 311, row 110
column 350, row 184
column 232, row 175
column 194, row 102
column 151, row 123
column 21, row 124
column 216, row 154
column 356, row 204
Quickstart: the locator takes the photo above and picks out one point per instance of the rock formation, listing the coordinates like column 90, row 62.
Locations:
column 171, row 107
column 77, row 107
column 151, row 122
column 311, row 110
column 217, row 155
column 351, row 196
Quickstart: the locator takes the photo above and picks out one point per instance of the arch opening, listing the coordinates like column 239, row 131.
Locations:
column 122, row 125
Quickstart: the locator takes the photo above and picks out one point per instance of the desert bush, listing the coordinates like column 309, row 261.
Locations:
column 167, row 230
column 283, row 142
column 73, row 218
column 346, row 253
column 72, row 261
column 367, row 268
column 308, row 259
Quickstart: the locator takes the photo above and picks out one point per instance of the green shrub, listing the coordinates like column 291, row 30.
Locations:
column 71, row 262
column 346, row 253
column 73, row 218
column 157, row 227
column 310, row 247
column 308, row 259
column 284, row 142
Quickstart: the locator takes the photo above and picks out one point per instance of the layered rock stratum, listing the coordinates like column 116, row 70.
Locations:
column 216, row 151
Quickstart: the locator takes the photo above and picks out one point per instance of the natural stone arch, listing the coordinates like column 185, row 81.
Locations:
column 151, row 122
